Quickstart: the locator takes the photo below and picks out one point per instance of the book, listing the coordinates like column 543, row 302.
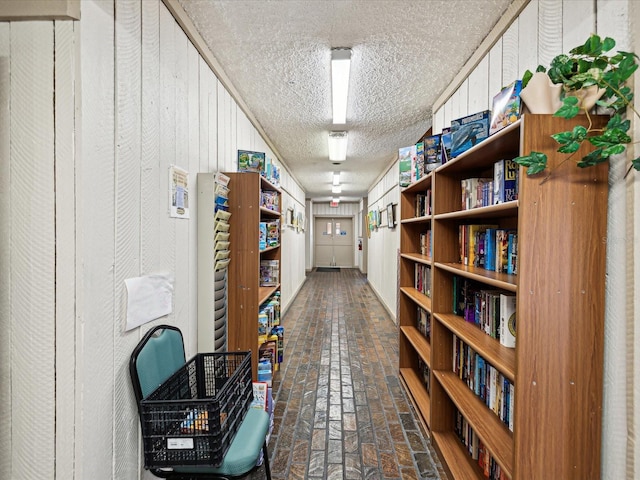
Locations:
column 260, row 396
column 490, row 249
column 406, row 163
column 506, row 107
column 508, row 320
column 502, row 250
column 505, row 181
column 269, row 273
column 469, row 131
column 432, row 154
column 262, row 240
column 512, row 254
column 250, row 161
column 445, row 145
column 420, row 160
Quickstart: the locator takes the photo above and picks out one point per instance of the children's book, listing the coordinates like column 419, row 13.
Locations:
column 506, row 107
column 260, row 396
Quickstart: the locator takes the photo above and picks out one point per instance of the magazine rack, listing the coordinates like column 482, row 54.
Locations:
column 190, row 426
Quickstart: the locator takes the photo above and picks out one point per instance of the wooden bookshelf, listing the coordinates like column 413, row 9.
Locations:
column 245, row 293
column 557, row 365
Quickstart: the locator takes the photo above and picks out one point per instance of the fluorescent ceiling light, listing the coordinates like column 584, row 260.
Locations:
column 335, row 199
column 337, row 146
column 336, row 189
column 336, row 178
column 340, row 67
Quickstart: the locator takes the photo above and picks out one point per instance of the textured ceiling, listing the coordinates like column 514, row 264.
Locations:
column 404, row 54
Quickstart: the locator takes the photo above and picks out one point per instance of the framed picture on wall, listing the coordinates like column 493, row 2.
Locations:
column 391, row 221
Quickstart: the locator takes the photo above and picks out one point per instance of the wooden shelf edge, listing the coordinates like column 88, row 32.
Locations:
column 498, row 280
column 421, row 184
column 417, row 257
column 419, row 342
column 423, row 219
column 501, row 357
column 268, row 211
column 265, row 292
column 270, row 248
column 418, row 394
column 417, row 297
column 499, row 210
column 489, row 428
column 457, row 461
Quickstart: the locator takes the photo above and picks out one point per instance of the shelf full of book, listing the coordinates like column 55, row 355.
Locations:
column 499, row 396
column 254, row 273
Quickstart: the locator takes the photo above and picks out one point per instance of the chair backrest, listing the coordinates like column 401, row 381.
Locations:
column 156, row 357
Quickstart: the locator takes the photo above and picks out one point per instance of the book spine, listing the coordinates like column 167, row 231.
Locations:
column 508, row 320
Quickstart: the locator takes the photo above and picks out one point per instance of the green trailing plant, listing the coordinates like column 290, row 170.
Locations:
column 583, row 67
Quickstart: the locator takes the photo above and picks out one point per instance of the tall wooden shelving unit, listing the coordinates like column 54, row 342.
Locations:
column 557, row 365
column 245, row 293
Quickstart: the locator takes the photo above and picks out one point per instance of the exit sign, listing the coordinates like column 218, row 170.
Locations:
column 334, row 204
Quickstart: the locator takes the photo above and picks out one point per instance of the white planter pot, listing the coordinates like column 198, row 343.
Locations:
column 541, row 95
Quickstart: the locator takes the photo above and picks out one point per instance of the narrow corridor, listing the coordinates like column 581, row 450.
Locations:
column 340, row 410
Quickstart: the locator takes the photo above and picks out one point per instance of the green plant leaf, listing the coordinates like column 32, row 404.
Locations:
column 569, row 108
column 535, row 162
column 636, row 163
column 526, row 77
column 608, row 44
column 569, row 147
column 613, row 150
column 617, row 122
column 578, row 134
column 592, row 159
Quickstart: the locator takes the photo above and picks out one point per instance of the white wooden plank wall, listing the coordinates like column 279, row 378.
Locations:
column 87, row 206
column 65, row 215
column 619, row 404
column 383, row 244
column 96, row 250
column 6, row 323
column 633, row 301
column 128, row 121
column 33, row 245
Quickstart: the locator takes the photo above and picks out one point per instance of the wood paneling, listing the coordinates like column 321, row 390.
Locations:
column 128, row 56
column 6, row 323
column 94, row 441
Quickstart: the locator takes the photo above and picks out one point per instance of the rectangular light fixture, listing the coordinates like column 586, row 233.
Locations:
column 336, row 189
column 340, row 67
column 337, row 146
column 336, row 178
column 335, row 200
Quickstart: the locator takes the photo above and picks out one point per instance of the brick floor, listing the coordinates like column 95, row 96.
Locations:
column 340, row 411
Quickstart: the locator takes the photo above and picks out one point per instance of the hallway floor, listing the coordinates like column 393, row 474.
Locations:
column 341, row 412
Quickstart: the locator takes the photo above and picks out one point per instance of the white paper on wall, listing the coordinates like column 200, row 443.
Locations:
column 148, row 298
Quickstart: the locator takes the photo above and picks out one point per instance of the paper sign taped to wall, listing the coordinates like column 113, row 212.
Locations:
column 148, row 298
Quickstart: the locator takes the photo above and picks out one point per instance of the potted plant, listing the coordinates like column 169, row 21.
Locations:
column 589, row 67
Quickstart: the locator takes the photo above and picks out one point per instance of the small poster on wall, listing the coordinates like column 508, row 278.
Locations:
column 178, row 192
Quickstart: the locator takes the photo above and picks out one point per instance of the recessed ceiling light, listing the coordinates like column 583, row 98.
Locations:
column 336, row 178
column 336, row 189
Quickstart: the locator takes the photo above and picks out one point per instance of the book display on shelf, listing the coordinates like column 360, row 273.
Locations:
column 254, row 273
column 505, row 351
column 214, row 257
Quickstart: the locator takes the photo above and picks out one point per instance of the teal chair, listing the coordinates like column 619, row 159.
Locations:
column 159, row 355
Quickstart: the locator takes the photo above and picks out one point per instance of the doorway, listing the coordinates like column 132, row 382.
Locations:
column 334, row 245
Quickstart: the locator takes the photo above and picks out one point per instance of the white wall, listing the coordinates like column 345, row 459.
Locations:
column 544, row 29
column 93, row 114
column 383, row 243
